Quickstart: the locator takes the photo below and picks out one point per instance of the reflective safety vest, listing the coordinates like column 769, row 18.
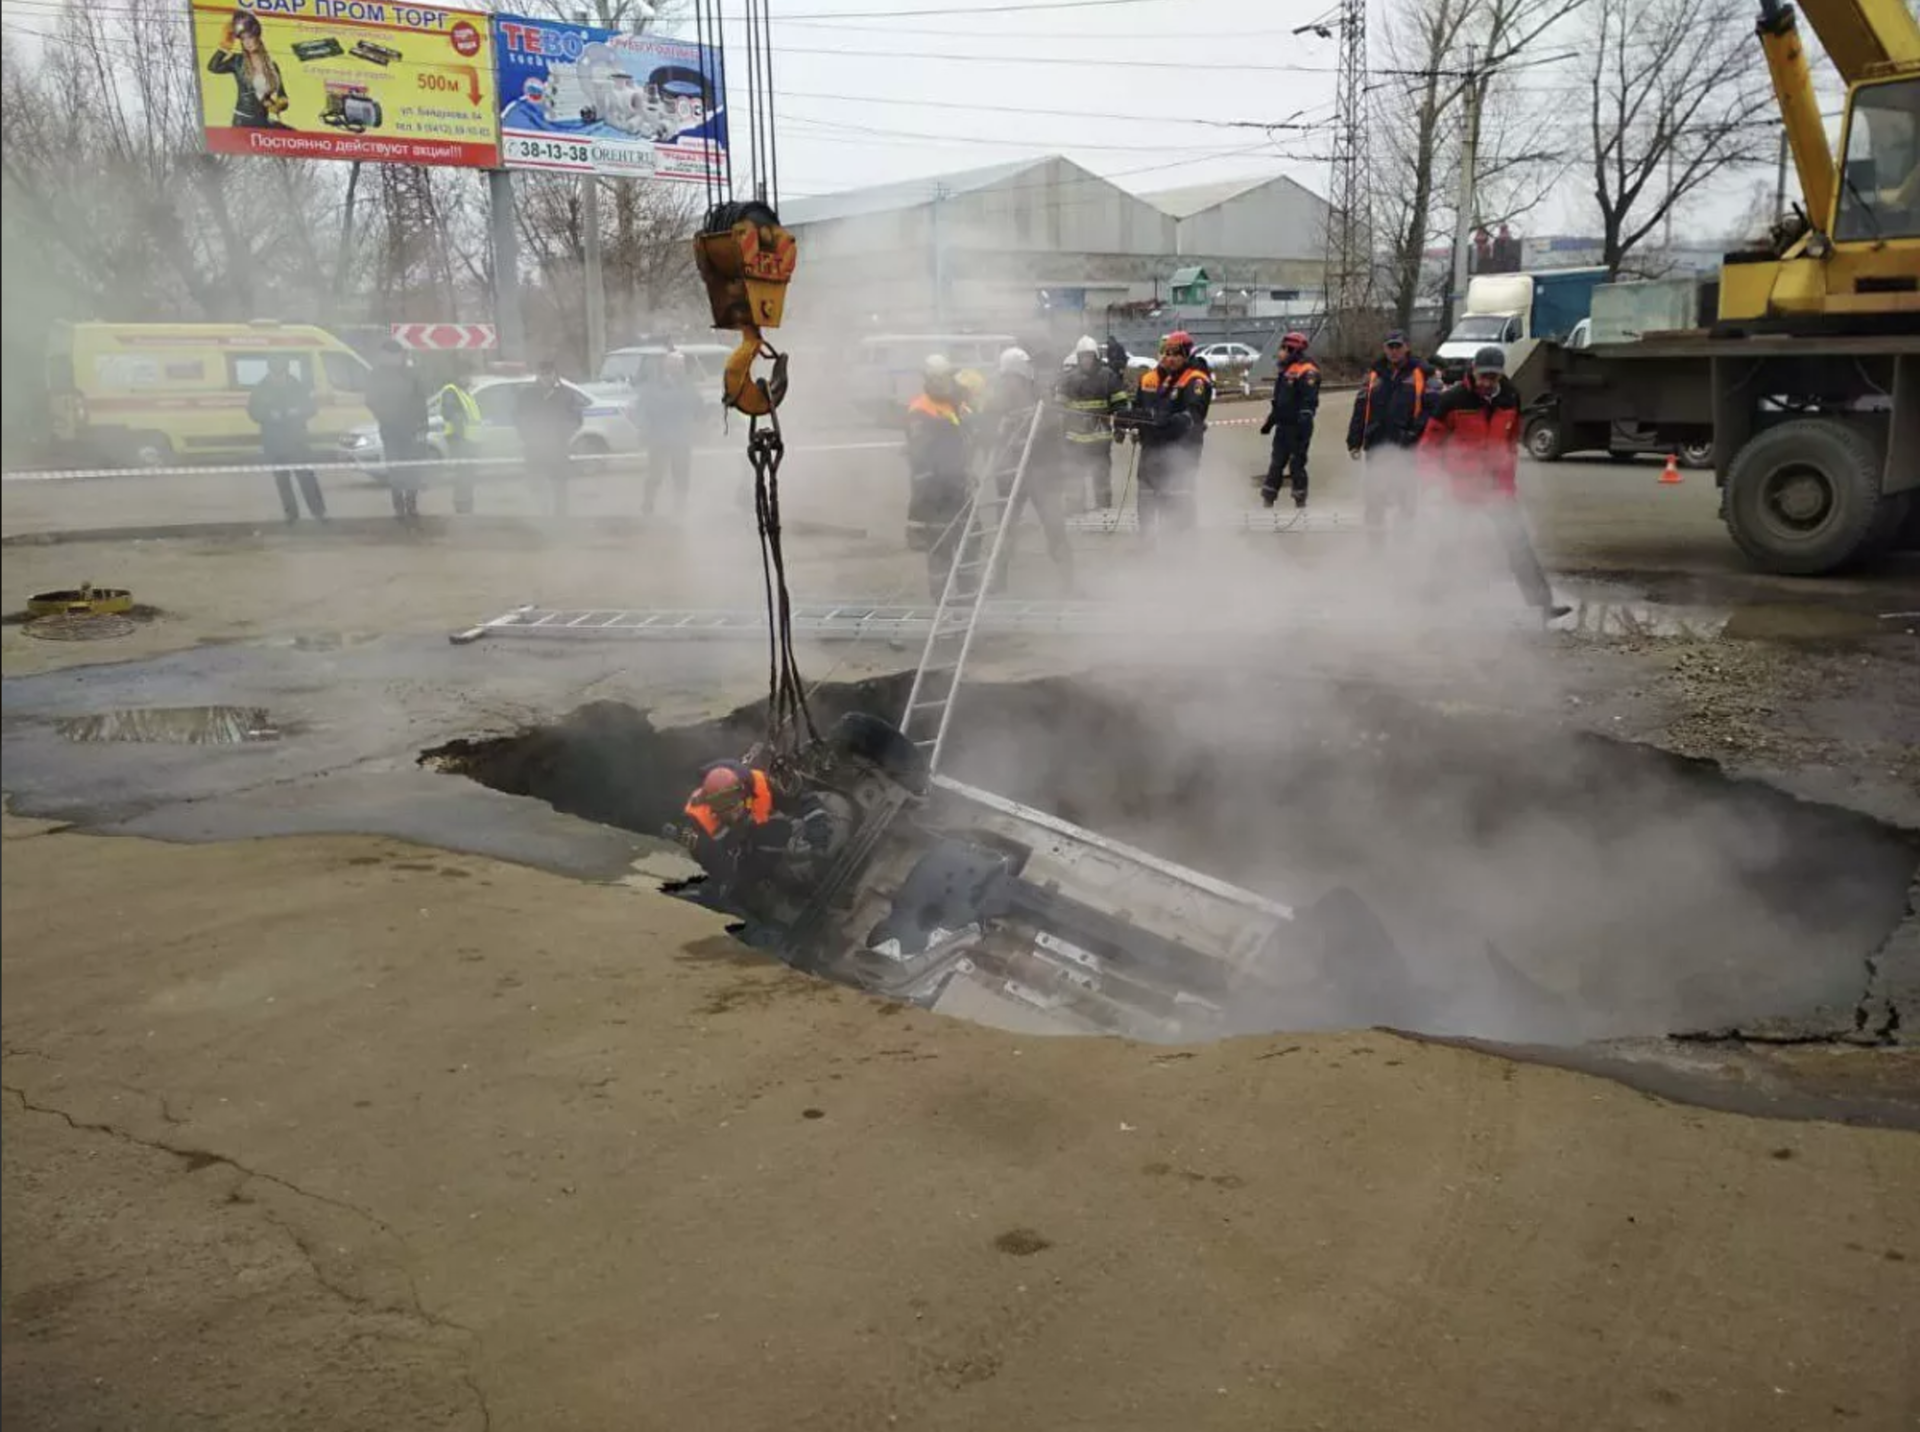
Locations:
column 1419, row 397
column 462, row 416
column 759, row 805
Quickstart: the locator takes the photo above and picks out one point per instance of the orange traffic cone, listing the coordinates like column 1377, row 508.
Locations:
column 1672, row 473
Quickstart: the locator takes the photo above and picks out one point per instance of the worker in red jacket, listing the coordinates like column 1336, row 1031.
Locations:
column 1471, row 448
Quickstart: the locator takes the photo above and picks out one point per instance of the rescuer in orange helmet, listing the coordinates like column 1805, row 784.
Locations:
column 1168, row 418
column 743, row 833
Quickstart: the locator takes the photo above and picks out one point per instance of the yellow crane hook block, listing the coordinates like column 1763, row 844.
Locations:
column 746, row 259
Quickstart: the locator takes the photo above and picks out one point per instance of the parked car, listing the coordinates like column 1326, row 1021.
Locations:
column 1232, row 364
column 606, row 428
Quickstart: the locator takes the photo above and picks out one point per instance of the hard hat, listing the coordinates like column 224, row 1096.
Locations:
column 1491, row 359
column 1295, row 339
column 1086, row 345
column 1178, row 341
column 722, row 789
column 938, row 365
column 1015, row 361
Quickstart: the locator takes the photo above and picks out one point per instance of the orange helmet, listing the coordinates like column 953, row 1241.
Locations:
column 1178, row 341
column 1295, row 339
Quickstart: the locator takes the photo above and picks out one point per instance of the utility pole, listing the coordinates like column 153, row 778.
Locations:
column 506, row 265
column 1348, row 262
column 941, row 193
column 1463, row 220
column 596, row 295
column 343, row 255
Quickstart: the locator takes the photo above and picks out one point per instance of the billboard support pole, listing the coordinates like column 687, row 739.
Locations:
column 506, row 265
column 344, row 255
column 596, row 286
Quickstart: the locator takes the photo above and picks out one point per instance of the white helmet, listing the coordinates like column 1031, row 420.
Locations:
column 1015, row 362
column 1086, row 345
column 938, row 365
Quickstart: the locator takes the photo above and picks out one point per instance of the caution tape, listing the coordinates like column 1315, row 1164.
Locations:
column 77, row 474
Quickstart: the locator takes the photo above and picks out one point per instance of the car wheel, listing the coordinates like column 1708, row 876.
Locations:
column 1804, row 498
column 146, row 450
column 1697, row 455
column 1545, row 441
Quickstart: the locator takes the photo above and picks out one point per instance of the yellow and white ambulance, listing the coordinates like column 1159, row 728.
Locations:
column 159, row 394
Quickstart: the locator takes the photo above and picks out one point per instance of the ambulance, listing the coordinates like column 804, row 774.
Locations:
column 164, row 394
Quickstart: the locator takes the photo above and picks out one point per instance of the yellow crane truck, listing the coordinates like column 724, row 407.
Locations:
column 1809, row 380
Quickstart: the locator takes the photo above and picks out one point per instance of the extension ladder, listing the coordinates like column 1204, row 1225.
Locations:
column 985, row 523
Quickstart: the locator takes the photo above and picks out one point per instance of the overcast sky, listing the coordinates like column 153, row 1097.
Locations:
column 1150, row 93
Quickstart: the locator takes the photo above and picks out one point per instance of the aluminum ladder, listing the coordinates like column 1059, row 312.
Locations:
column 985, row 525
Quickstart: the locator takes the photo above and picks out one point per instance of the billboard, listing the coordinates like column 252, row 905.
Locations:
column 347, row 79
column 584, row 100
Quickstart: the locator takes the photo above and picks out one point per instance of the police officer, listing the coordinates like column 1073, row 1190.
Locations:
column 1168, row 418
column 1389, row 414
column 1296, row 400
column 1090, row 394
column 459, row 430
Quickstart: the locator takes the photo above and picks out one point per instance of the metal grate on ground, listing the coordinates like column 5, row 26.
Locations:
column 823, row 621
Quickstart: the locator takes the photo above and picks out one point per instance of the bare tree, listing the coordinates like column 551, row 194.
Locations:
column 1675, row 90
column 1446, row 54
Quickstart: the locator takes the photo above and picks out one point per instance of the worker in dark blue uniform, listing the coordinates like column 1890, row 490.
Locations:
column 1296, row 401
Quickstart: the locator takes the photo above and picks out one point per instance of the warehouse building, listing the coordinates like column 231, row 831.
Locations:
column 1045, row 243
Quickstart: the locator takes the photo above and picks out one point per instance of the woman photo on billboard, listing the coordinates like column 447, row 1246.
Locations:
column 260, row 97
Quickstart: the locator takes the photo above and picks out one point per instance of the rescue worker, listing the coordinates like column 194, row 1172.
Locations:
column 1010, row 417
column 1168, row 418
column 1296, row 399
column 459, row 431
column 1116, row 356
column 548, row 413
column 1470, row 448
column 282, row 405
column 938, row 426
column 743, row 834
column 398, row 402
column 1090, row 394
column 1389, row 414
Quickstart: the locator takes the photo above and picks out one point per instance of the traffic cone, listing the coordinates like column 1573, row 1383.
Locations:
column 1671, row 474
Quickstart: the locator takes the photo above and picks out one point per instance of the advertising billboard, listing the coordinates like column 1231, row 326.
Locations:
column 347, row 79
column 584, row 100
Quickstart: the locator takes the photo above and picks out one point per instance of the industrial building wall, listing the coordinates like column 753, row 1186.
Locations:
column 1056, row 207
column 1278, row 220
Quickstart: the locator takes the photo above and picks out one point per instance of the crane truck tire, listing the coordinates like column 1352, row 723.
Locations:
column 1545, row 441
column 1804, row 498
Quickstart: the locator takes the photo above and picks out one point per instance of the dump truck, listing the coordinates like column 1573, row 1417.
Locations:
column 1807, row 382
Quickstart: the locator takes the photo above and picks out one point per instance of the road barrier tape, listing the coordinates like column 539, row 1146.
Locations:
column 77, row 474
column 82, row 474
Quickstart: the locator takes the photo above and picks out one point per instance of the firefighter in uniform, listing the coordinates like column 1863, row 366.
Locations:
column 1470, row 451
column 1090, row 394
column 1168, row 418
column 1296, row 400
column 938, row 430
column 1389, row 414
column 743, row 834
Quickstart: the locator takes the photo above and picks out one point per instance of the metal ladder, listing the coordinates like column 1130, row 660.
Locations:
column 943, row 661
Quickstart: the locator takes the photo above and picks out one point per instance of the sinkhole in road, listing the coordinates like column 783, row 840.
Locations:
column 1632, row 892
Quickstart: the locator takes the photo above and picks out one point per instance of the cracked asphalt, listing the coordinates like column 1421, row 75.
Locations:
column 340, row 1095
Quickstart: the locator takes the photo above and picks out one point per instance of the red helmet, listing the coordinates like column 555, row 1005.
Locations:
column 1295, row 339
column 1178, row 341
column 722, row 789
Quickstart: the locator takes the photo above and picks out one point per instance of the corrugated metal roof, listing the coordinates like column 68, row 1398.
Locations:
column 909, row 194
column 1184, row 203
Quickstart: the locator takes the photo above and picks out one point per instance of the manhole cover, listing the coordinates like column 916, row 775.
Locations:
column 78, row 626
column 83, row 600
column 179, row 725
